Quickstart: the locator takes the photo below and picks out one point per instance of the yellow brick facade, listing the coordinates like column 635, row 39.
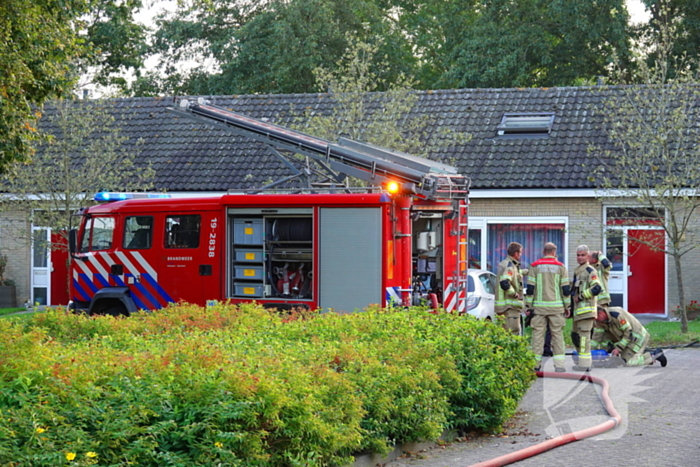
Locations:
column 585, row 226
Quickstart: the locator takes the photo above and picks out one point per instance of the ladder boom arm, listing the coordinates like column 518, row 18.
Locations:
column 372, row 164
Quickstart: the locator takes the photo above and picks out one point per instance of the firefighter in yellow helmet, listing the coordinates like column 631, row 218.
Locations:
column 628, row 337
column 585, row 287
column 509, row 300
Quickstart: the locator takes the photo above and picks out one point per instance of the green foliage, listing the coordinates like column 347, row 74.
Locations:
column 10, row 311
column 362, row 114
column 37, row 45
column 685, row 16
column 274, row 47
column 652, row 155
column 270, row 47
column 243, row 387
column 532, row 43
column 665, row 333
column 115, row 43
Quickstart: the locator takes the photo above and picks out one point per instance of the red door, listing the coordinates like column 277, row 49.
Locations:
column 59, row 271
column 646, row 284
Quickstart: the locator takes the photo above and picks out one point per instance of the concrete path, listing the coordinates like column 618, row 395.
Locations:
column 660, row 408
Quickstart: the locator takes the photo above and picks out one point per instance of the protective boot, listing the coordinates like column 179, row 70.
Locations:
column 658, row 356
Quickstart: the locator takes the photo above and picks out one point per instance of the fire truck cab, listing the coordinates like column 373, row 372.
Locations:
column 329, row 250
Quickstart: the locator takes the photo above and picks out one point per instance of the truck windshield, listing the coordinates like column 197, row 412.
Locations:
column 98, row 234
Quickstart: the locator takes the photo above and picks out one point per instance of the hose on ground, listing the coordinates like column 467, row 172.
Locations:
column 614, row 421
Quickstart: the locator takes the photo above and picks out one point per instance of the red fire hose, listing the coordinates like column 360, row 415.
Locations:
column 613, row 422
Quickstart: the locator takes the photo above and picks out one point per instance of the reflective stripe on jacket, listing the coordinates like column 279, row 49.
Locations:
column 550, row 280
column 586, row 287
column 506, row 299
column 622, row 329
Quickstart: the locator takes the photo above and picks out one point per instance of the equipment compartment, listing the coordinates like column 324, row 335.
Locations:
column 272, row 255
column 243, row 289
column 248, row 272
column 248, row 231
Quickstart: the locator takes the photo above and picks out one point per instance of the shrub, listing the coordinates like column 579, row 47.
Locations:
column 240, row 386
column 692, row 310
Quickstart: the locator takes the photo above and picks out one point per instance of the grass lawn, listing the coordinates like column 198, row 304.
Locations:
column 12, row 313
column 663, row 333
column 8, row 311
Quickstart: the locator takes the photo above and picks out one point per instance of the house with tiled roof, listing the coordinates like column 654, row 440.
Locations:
column 529, row 159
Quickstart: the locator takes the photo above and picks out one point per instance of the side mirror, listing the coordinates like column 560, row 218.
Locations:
column 72, row 241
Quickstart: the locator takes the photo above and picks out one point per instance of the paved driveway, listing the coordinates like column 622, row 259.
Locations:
column 661, row 421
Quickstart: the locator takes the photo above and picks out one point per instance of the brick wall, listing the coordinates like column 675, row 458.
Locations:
column 585, row 217
column 14, row 243
column 585, row 221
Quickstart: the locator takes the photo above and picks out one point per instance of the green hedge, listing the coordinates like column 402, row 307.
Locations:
column 241, row 386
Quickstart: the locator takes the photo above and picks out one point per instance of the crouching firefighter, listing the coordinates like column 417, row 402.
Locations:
column 628, row 337
column 586, row 287
column 509, row 301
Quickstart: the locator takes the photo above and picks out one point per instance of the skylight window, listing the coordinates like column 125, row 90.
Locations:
column 525, row 125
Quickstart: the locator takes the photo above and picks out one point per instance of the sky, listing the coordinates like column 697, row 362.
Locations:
column 636, row 10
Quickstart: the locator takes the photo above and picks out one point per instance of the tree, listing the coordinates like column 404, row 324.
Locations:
column 266, row 47
column 685, row 16
column 85, row 154
column 502, row 43
column 654, row 157
column 115, row 44
column 362, row 114
column 38, row 43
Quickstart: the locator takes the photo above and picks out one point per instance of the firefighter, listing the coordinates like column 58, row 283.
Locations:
column 547, row 294
column 603, row 265
column 628, row 337
column 585, row 288
column 509, row 301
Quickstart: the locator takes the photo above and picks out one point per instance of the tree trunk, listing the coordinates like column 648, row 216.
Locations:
column 681, row 293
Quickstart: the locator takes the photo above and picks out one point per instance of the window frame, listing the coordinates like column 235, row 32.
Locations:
column 512, row 125
column 170, row 243
column 129, row 235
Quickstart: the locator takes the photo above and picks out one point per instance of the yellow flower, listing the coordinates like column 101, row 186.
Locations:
column 218, row 445
column 90, row 454
column 70, row 456
column 40, row 429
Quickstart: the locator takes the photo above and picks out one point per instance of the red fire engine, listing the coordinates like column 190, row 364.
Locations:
column 400, row 242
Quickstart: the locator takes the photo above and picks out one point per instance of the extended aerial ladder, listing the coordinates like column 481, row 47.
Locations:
column 418, row 176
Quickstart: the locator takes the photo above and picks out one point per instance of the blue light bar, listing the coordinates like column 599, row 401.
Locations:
column 107, row 196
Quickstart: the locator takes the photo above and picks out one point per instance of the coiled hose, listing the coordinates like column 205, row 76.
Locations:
column 614, row 421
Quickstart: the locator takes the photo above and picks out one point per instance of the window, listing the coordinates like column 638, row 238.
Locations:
column 634, row 216
column 138, row 231
column 98, row 234
column 525, row 125
column 474, row 248
column 182, row 231
column 531, row 236
column 487, row 280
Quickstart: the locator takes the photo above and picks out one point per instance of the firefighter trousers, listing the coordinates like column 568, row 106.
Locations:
column 583, row 328
column 638, row 358
column 539, row 329
column 511, row 320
